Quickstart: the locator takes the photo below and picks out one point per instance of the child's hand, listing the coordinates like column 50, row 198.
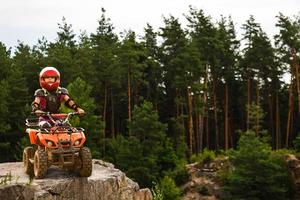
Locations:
column 39, row 112
column 80, row 111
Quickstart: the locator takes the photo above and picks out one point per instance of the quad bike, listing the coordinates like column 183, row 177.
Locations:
column 61, row 145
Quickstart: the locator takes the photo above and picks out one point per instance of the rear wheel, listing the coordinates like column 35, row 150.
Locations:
column 40, row 163
column 28, row 153
column 86, row 158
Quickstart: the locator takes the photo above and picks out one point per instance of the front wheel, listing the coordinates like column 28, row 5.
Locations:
column 28, row 153
column 40, row 163
column 86, row 158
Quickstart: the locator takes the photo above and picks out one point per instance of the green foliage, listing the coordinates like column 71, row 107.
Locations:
column 255, row 113
column 80, row 91
column 6, row 179
column 205, row 157
column 201, row 189
column 21, row 145
column 96, row 69
column 296, row 143
column 178, row 137
column 147, row 154
column 4, row 110
column 156, row 192
column 257, row 172
column 5, row 150
column 169, row 189
column 180, row 173
column 283, row 152
column 145, row 124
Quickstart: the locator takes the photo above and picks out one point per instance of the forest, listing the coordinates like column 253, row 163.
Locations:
column 155, row 101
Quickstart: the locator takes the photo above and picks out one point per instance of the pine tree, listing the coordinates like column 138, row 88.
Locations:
column 288, row 44
column 5, row 127
column 80, row 91
column 258, row 173
column 153, row 69
column 182, row 69
column 147, row 153
column 62, row 53
column 227, row 54
column 250, row 61
column 105, row 61
column 131, row 56
column 203, row 36
column 261, row 71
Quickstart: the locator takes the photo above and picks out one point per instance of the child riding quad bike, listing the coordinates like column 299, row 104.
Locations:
column 61, row 145
column 58, row 143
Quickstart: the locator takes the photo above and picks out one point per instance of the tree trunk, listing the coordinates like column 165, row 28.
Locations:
column 104, row 117
column 190, row 118
column 129, row 93
column 112, row 115
column 177, row 104
column 271, row 117
column 248, row 102
column 207, row 129
column 290, row 113
column 226, row 117
column 215, row 114
column 196, row 130
column 205, row 110
column 257, row 104
column 201, row 126
column 295, row 67
column 278, row 138
column 230, row 133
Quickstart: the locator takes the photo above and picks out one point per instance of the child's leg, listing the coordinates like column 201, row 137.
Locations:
column 44, row 123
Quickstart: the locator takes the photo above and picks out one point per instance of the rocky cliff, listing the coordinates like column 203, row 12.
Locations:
column 105, row 183
column 293, row 164
column 203, row 181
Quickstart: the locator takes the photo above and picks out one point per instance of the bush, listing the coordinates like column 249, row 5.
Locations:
column 258, row 173
column 202, row 189
column 169, row 189
column 296, row 143
column 181, row 175
column 205, row 157
column 156, row 192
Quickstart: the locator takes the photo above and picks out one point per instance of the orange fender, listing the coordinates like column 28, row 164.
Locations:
column 32, row 135
column 78, row 136
column 54, row 138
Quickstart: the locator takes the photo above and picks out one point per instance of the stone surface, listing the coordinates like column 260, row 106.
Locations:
column 203, row 182
column 293, row 164
column 105, row 183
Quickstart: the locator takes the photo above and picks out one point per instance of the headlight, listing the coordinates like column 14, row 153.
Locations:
column 77, row 142
column 49, row 143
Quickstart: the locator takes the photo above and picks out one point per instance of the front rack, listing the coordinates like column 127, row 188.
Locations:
column 67, row 129
column 33, row 122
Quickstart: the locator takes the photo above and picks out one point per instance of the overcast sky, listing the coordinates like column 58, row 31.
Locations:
column 29, row 20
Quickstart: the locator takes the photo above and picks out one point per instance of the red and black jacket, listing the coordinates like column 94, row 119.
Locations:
column 51, row 101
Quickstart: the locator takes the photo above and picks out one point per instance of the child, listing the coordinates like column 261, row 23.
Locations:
column 50, row 96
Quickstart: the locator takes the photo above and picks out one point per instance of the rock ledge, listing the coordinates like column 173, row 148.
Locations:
column 105, row 183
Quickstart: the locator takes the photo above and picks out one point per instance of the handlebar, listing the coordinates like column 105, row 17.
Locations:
column 52, row 116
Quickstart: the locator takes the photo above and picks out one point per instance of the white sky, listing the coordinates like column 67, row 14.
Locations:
column 29, row 20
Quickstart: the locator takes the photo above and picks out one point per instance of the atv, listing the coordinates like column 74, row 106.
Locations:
column 61, row 145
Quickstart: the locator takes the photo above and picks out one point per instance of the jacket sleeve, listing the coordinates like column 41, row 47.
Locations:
column 39, row 93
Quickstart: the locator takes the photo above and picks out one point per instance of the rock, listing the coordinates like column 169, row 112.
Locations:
column 293, row 164
column 291, row 160
column 105, row 183
column 203, row 182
